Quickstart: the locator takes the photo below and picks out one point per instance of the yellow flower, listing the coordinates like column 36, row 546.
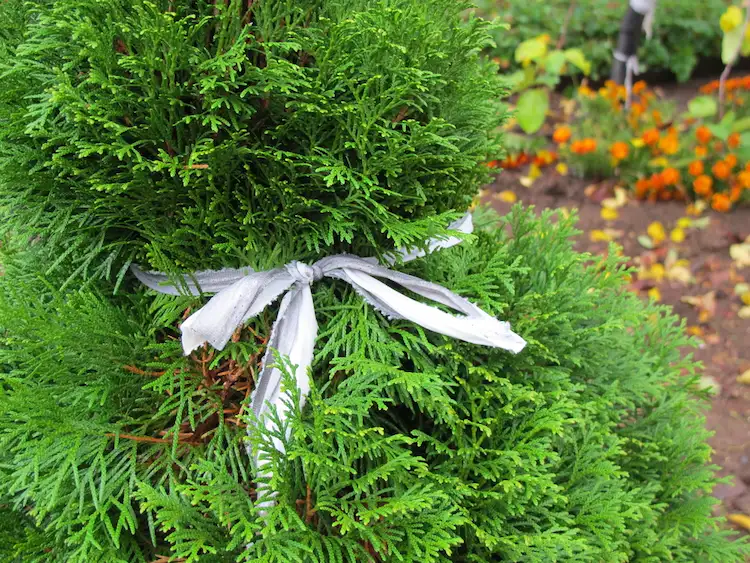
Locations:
column 730, row 19
column 677, row 235
column 657, row 232
column 654, row 294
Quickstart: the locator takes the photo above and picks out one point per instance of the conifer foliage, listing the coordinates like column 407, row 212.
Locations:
column 196, row 134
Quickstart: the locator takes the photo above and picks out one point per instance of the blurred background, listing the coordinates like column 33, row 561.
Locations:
column 636, row 117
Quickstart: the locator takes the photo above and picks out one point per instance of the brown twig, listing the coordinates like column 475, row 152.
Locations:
column 147, row 439
column 138, row 371
column 728, row 69
column 563, row 32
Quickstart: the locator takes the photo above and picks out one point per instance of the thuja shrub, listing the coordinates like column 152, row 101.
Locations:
column 191, row 135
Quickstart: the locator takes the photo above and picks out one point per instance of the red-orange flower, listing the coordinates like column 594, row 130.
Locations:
column 669, row 144
column 639, row 87
column 642, row 186
column 670, row 176
column 703, row 134
column 619, row 150
column 703, row 184
column 721, row 170
column 733, row 141
column 735, row 193
column 583, row 146
column 657, row 182
column 561, row 134
column 731, row 160
column 651, row 137
column 701, row 152
column 721, row 202
column 696, row 168
column 744, row 178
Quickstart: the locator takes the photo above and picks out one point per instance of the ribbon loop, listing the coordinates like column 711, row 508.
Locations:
column 243, row 294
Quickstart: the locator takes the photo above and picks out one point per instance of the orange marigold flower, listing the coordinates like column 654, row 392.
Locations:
column 656, row 115
column 639, row 87
column 670, row 176
column 701, row 152
column 584, row 90
column 657, row 182
column 669, row 144
column 721, row 170
column 733, row 141
column 731, row 160
column 735, row 193
column 703, row 134
column 666, row 195
column 561, row 134
column 651, row 137
column 710, row 87
column 619, row 150
column 583, row 146
column 696, row 168
column 744, row 178
column 637, row 109
column 721, row 202
column 703, row 184
column 642, row 186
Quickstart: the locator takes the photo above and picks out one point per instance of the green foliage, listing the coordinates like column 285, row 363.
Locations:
column 543, row 69
column 177, row 136
column 189, row 135
column 413, row 446
column 683, row 31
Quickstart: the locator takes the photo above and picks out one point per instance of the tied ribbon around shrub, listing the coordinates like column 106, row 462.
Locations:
column 241, row 294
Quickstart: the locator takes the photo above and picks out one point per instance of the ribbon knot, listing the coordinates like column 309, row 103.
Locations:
column 243, row 294
column 303, row 273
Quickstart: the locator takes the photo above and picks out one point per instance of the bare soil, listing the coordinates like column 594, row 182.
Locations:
column 725, row 353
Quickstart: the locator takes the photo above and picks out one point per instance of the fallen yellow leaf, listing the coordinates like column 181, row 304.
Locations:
column 740, row 253
column 658, row 271
column 740, row 520
column 677, row 269
column 695, row 330
column 621, row 195
column 534, row 171
column 562, row 169
column 745, row 298
column 744, row 378
column 744, row 313
column 609, row 214
column 597, row 235
column 685, row 223
column 507, row 196
column 656, row 232
column 706, row 305
column 654, row 294
column 677, row 235
column 697, row 208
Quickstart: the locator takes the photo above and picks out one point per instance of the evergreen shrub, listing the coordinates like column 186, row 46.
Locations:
column 193, row 135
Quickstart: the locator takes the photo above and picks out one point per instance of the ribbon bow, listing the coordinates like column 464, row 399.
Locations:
column 240, row 295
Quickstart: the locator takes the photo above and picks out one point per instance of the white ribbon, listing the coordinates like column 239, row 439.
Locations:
column 646, row 8
column 632, row 69
column 243, row 294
